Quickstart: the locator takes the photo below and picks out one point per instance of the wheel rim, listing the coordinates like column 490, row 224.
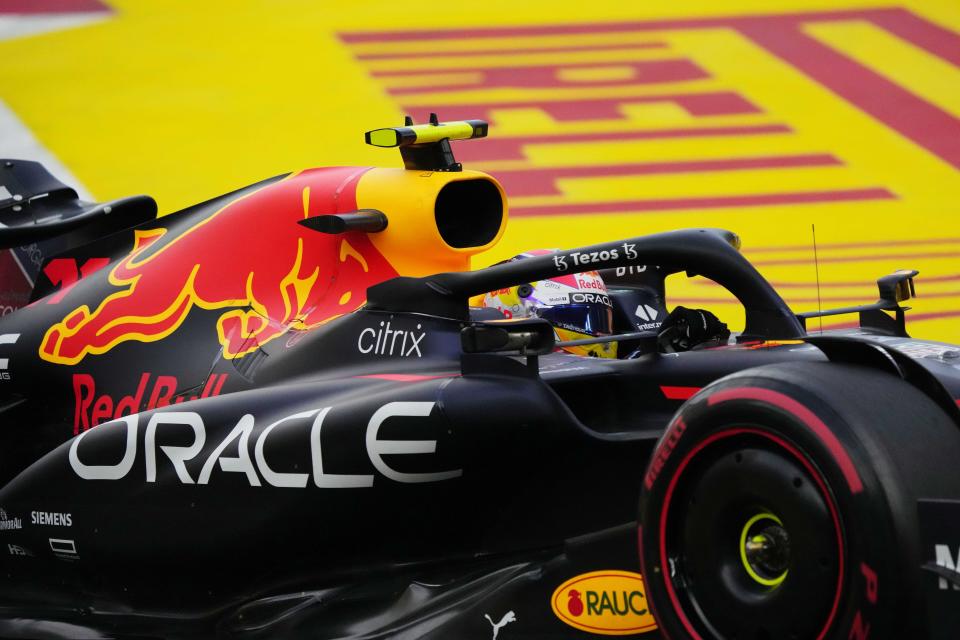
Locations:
column 751, row 543
column 765, row 549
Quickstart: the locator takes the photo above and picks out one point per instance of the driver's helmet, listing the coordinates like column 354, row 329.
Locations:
column 577, row 305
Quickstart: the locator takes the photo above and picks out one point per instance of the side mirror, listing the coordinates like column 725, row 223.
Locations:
column 525, row 336
column 897, row 287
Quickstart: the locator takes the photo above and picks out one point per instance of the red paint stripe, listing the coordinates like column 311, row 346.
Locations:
column 713, row 103
column 932, row 315
column 931, row 37
column 958, row 402
column 919, row 120
column 508, row 51
column 876, row 15
column 679, row 393
column 505, row 148
column 637, row 206
column 852, row 299
column 923, row 122
column 811, row 284
column 459, row 68
column 642, row 72
column 852, row 245
column 805, row 416
column 542, row 181
column 912, row 318
column 208, row 386
column 51, row 6
column 405, row 377
column 547, row 30
column 864, row 258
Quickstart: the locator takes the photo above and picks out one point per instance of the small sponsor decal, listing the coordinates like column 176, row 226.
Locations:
column 582, row 258
column 591, row 280
column 919, row 350
column 631, row 270
column 8, row 522
column 662, row 453
column 940, row 563
column 608, row 602
column 91, row 409
column 944, row 556
column 507, row 618
column 589, row 298
column 385, row 341
column 64, row 549
column 646, row 313
column 7, row 338
column 51, row 519
column 17, row 550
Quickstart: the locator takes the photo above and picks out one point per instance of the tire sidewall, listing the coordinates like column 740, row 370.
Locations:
column 867, row 535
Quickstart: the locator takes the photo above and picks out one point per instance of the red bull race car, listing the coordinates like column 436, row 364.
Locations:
column 293, row 411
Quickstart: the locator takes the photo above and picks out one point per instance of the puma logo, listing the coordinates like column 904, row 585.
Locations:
column 504, row 621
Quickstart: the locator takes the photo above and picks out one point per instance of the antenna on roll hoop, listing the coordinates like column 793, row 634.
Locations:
column 816, row 269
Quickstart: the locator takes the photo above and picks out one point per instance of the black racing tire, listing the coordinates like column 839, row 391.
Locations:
column 781, row 503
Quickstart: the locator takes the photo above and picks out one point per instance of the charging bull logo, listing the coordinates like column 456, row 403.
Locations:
column 250, row 259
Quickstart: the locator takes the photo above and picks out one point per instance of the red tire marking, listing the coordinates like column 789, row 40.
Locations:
column 805, row 416
column 674, row 600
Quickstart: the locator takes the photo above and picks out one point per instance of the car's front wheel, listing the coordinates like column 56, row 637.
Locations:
column 782, row 504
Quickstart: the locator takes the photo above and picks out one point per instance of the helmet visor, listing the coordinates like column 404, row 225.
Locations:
column 592, row 319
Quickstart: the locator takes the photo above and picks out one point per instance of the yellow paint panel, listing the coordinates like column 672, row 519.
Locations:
column 596, row 74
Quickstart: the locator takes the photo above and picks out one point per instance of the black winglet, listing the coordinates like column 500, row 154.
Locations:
column 365, row 220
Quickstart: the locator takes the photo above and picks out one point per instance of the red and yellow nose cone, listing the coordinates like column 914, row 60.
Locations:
column 436, row 220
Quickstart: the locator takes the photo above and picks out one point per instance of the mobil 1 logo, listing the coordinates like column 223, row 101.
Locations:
column 940, row 540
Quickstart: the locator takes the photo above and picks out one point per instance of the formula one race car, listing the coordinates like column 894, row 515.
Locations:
column 276, row 415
